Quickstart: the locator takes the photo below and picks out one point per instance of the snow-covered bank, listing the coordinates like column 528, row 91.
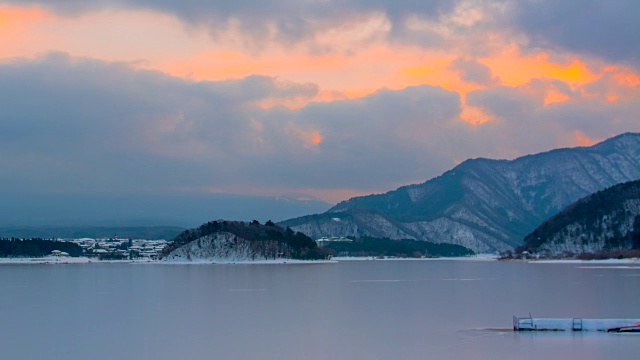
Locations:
column 85, row 260
column 67, row 260
column 225, row 260
column 45, row 260
column 220, row 261
column 480, row 257
column 632, row 261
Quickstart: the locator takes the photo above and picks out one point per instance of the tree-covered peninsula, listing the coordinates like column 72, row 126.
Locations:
column 229, row 241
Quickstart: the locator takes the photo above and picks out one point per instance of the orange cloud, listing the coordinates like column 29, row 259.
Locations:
column 316, row 138
column 628, row 78
column 515, row 69
column 334, row 95
column 15, row 27
column 290, row 103
column 18, row 16
column 438, row 73
column 554, row 96
column 618, row 83
column 132, row 36
column 349, row 60
column 582, row 140
column 364, row 72
column 311, row 138
column 475, row 115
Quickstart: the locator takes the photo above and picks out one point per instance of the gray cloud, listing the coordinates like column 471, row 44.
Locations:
column 504, row 102
column 376, row 139
column 87, row 125
column 525, row 125
column 78, row 125
column 607, row 29
column 90, row 124
column 473, row 71
column 292, row 20
column 198, row 9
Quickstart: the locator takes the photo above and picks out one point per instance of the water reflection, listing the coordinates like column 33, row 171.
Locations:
column 349, row 310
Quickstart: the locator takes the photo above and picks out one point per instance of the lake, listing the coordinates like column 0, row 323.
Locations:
column 347, row 310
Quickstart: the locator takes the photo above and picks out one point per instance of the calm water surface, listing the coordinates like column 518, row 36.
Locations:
column 348, row 310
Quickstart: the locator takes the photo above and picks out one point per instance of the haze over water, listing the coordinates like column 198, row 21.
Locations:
column 348, row 310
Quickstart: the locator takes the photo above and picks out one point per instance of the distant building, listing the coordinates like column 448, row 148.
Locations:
column 327, row 240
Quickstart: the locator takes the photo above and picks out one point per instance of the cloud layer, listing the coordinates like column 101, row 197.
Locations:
column 92, row 125
column 607, row 29
column 73, row 124
column 332, row 98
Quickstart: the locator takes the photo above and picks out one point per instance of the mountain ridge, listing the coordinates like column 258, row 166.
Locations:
column 484, row 204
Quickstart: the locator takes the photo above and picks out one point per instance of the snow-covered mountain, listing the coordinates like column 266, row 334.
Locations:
column 486, row 205
column 606, row 220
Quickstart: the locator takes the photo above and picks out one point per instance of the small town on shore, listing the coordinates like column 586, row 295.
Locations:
column 114, row 248
column 111, row 248
column 119, row 249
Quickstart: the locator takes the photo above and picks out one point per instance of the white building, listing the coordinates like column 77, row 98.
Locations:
column 327, row 240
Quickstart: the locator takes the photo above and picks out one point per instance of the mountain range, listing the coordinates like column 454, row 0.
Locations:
column 483, row 204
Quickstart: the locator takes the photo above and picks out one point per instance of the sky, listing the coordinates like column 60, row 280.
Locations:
column 329, row 98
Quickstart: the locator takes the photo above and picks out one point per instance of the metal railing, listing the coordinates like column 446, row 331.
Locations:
column 520, row 324
column 577, row 324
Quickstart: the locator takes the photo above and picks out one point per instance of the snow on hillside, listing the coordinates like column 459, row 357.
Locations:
column 485, row 205
column 220, row 247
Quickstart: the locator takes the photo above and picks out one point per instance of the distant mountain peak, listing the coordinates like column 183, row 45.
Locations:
column 301, row 197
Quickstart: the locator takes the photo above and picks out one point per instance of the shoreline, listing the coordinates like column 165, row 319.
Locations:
column 86, row 260
column 480, row 257
column 335, row 259
column 248, row 262
column 65, row 261
column 576, row 261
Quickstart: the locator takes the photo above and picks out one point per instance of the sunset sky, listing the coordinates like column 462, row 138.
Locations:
column 328, row 98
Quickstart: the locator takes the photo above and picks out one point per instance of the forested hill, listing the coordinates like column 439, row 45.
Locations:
column 483, row 204
column 606, row 220
column 368, row 246
column 36, row 247
column 240, row 241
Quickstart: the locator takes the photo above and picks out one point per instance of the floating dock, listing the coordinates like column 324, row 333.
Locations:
column 576, row 324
